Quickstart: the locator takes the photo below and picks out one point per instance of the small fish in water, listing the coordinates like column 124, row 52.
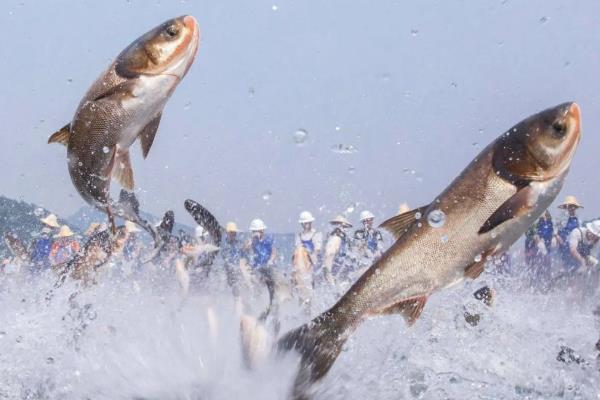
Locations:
column 487, row 208
column 126, row 103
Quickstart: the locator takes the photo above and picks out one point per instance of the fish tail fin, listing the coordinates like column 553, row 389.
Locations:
column 61, row 136
column 128, row 207
column 319, row 344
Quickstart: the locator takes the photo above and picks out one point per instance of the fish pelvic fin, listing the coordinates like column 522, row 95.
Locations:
column 399, row 224
column 518, row 204
column 474, row 270
column 122, row 171
column 148, row 133
column 61, row 136
column 319, row 344
column 410, row 309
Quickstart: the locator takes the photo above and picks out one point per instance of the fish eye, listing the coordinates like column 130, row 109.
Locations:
column 559, row 128
column 172, row 31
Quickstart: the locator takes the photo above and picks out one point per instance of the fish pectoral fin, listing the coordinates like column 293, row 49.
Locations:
column 474, row 270
column 399, row 224
column 147, row 135
column 517, row 205
column 410, row 309
column 61, row 136
column 122, row 171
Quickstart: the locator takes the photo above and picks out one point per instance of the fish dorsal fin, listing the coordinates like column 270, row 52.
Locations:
column 122, row 171
column 410, row 309
column 148, row 133
column 399, row 224
column 61, row 136
column 517, row 205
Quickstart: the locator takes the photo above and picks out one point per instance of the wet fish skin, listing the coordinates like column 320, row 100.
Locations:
column 125, row 103
column 487, row 208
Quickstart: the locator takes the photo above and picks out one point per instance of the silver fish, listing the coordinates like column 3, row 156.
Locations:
column 483, row 211
column 126, row 103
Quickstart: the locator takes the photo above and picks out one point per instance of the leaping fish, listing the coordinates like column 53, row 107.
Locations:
column 500, row 194
column 126, row 103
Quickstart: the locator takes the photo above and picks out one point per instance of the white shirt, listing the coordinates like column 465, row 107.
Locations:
column 580, row 234
column 316, row 237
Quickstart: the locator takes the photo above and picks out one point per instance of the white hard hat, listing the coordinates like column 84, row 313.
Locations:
column 257, row 225
column 366, row 215
column 594, row 227
column 200, row 231
column 305, row 216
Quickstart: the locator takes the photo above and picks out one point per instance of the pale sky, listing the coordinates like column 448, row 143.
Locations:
column 418, row 88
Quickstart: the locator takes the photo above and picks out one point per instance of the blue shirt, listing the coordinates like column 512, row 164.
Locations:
column 231, row 252
column 262, row 249
column 545, row 230
column 41, row 250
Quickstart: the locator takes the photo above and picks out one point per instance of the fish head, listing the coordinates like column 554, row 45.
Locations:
column 168, row 49
column 541, row 147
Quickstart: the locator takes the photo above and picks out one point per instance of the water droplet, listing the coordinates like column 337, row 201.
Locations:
column 266, row 196
column 436, row 218
column 337, row 128
column 69, row 80
column 454, row 84
column 418, row 215
column 477, row 258
column 350, row 209
column 493, row 235
column 351, row 170
column 385, row 77
column 251, row 91
column 414, row 32
column 543, row 20
column 343, row 149
column 474, row 144
column 444, row 238
column 300, row 137
column 187, row 105
column 105, row 150
column 274, row 7
column 80, row 164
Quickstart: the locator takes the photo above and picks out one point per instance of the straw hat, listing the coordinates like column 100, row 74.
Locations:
column 64, row 231
column 570, row 201
column 93, row 228
column 341, row 220
column 231, row 227
column 404, row 207
column 51, row 221
column 131, row 227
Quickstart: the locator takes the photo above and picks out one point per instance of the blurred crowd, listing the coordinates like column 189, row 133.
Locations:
column 558, row 252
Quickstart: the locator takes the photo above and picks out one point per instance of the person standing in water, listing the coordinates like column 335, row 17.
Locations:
column 309, row 239
column 368, row 240
column 307, row 248
column 42, row 245
column 231, row 251
column 570, row 205
column 64, row 247
column 261, row 249
column 337, row 259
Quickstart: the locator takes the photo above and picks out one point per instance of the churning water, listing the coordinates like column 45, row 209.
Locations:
column 135, row 337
